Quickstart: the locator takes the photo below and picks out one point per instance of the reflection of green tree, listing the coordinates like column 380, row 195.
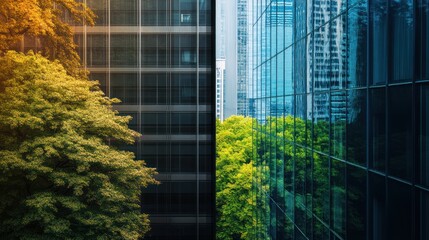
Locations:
column 290, row 180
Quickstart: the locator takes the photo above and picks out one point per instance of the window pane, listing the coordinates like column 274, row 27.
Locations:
column 321, row 204
column 205, row 12
column 100, row 9
column 123, row 12
column 321, row 122
column 400, row 216
column 338, row 196
column 124, row 87
column 356, row 203
column 377, row 122
column 377, row 204
column 96, row 51
column 357, row 45
column 424, row 135
column 424, row 215
column 338, row 124
column 403, row 39
column 400, row 132
column 338, row 41
column 379, row 30
column 123, row 50
column 356, row 126
column 423, row 32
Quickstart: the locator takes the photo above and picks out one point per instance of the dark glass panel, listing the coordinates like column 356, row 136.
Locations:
column 183, row 89
column 123, row 12
column 378, row 41
column 183, row 197
column 149, row 10
column 184, row 12
column 155, row 50
column 377, row 123
column 167, row 231
column 402, row 38
column 123, row 50
column 96, row 50
column 183, row 50
column 149, row 199
column 206, row 197
column 356, row 126
column 338, row 197
column 400, row 132
column 205, row 89
column 183, row 123
column 357, row 31
column 400, row 216
column 356, row 203
column 321, row 206
column 424, row 215
column 155, row 88
column 377, row 207
column 423, row 35
column 320, row 232
column 206, row 12
column 424, row 135
column 206, row 123
column 124, row 87
column 155, row 123
column 205, row 50
column 206, row 159
column 184, row 157
column 338, row 124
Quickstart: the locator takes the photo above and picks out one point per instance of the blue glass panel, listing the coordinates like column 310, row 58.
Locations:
column 378, row 41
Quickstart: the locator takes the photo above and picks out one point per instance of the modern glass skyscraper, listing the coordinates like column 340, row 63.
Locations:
column 340, row 91
column 156, row 56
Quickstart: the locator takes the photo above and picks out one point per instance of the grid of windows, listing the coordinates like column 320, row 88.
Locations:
column 341, row 98
column 156, row 57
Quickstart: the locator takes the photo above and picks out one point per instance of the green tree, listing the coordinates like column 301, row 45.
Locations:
column 236, row 181
column 234, row 178
column 60, row 178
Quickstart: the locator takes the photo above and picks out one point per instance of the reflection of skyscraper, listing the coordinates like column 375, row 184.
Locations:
column 348, row 158
column 220, row 81
column 242, row 56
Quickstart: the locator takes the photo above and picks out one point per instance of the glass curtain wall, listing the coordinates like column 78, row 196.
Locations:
column 340, row 92
column 156, row 57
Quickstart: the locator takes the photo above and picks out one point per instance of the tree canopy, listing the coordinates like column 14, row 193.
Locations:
column 60, row 177
column 234, row 171
column 45, row 19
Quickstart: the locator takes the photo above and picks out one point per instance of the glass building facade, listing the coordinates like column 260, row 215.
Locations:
column 341, row 94
column 156, row 57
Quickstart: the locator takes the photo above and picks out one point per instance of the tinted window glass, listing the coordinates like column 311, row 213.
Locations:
column 400, row 132
column 356, row 126
column 379, row 39
column 377, row 121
